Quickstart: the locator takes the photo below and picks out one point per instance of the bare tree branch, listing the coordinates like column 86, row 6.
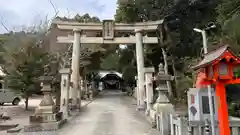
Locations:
column 4, row 26
column 68, row 13
column 233, row 11
column 54, row 7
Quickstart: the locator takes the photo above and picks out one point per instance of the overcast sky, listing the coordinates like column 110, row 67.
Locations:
column 17, row 13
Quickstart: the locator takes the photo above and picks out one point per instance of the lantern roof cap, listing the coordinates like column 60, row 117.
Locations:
column 210, row 57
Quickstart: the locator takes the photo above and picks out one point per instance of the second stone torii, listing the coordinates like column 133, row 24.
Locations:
column 108, row 28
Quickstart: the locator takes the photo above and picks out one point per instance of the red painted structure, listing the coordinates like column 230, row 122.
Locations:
column 199, row 78
column 218, row 67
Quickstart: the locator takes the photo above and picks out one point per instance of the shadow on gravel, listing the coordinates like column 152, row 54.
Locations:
column 111, row 94
column 80, row 113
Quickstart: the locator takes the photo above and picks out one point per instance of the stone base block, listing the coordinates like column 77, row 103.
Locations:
column 46, row 117
column 152, row 114
column 45, row 109
column 163, row 123
column 37, row 127
column 7, row 126
column 73, row 105
column 147, row 112
column 140, row 108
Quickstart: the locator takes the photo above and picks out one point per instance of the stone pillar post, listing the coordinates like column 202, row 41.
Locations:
column 86, row 84
column 65, row 85
column 75, row 69
column 149, row 88
column 81, row 87
column 93, row 84
column 136, row 91
column 80, row 91
column 140, row 68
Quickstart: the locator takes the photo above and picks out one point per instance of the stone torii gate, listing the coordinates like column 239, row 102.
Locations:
column 108, row 30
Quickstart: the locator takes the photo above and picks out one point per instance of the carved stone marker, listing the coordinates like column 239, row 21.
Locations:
column 149, row 88
column 65, row 86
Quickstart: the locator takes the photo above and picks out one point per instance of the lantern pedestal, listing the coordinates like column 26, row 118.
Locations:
column 163, row 108
column 46, row 109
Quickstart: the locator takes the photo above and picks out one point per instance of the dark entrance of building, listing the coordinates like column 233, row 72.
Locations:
column 112, row 81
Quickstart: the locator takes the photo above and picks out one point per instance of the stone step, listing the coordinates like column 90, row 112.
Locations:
column 7, row 126
column 14, row 130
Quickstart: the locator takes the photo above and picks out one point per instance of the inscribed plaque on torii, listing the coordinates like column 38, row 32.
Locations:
column 108, row 29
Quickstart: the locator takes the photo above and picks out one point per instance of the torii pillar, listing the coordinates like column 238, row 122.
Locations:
column 74, row 90
column 140, row 68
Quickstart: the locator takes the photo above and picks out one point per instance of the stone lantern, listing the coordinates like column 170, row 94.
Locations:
column 46, row 116
column 65, row 86
column 161, row 79
column 163, row 107
column 46, row 111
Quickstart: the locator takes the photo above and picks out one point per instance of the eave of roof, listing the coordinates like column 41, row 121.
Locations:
column 104, row 73
column 211, row 56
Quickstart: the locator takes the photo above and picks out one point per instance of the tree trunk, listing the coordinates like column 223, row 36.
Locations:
column 174, row 71
column 175, row 75
column 166, row 71
column 26, row 103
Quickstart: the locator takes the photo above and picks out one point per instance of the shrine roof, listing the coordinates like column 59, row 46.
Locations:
column 211, row 56
column 104, row 73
